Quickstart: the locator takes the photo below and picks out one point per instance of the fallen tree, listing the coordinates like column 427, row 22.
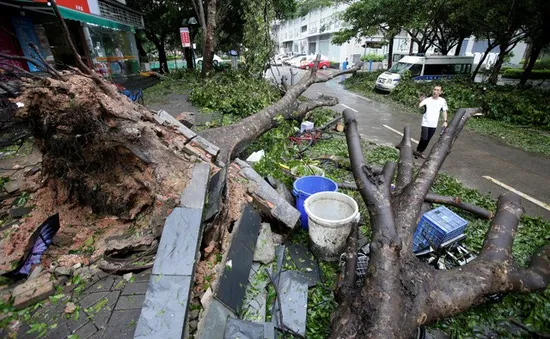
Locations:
column 400, row 292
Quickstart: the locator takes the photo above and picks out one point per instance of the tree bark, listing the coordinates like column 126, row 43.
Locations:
column 459, row 46
column 390, row 51
column 209, row 41
column 533, row 56
column 400, row 291
column 493, row 78
column 163, row 61
column 490, row 47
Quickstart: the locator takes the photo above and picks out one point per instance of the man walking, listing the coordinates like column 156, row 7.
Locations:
column 433, row 106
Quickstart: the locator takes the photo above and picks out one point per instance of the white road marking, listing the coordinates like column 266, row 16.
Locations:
column 353, row 109
column 401, row 134
column 521, row 194
column 362, row 97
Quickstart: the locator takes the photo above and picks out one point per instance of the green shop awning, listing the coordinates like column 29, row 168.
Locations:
column 93, row 19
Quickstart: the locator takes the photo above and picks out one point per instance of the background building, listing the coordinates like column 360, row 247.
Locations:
column 312, row 34
column 102, row 30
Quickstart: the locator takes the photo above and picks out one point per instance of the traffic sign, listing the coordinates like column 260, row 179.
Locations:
column 185, row 38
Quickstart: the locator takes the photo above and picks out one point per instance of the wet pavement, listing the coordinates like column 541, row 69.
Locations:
column 473, row 157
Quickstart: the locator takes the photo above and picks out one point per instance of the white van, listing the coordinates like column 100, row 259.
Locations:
column 430, row 67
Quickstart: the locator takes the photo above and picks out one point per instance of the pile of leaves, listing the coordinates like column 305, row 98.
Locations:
column 234, row 93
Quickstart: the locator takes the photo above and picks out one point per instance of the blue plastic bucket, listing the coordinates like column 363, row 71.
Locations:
column 306, row 186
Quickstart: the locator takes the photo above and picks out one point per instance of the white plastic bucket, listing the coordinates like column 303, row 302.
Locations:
column 331, row 215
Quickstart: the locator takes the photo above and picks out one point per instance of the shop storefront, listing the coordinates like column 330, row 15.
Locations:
column 102, row 31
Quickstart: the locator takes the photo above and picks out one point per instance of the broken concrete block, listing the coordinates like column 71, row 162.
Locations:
column 212, row 324
column 292, row 291
column 215, row 193
column 267, row 197
column 206, row 145
column 19, row 212
column 265, row 247
column 241, row 329
column 234, row 279
column 33, row 291
column 194, row 194
column 12, row 186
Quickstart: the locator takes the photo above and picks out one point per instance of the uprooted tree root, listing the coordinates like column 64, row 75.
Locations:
column 109, row 153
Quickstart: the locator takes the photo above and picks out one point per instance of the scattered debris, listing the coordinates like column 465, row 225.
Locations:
column 19, row 212
column 70, row 308
column 281, row 188
column 265, row 248
column 128, row 276
column 33, row 291
column 38, row 243
column 255, row 157
column 255, row 303
column 215, row 193
column 242, row 329
column 290, row 308
column 266, row 198
column 305, row 263
column 233, row 282
column 12, row 186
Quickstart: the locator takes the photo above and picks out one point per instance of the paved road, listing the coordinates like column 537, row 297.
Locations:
column 472, row 160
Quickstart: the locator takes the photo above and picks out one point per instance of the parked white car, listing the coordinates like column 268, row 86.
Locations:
column 216, row 61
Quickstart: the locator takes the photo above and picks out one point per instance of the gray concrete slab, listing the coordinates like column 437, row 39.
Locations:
column 179, row 242
column 194, row 194
column 165, row 307
column 215, row 321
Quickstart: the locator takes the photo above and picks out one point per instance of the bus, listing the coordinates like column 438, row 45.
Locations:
column 431, row 67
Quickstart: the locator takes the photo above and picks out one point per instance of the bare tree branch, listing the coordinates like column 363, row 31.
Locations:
column 48, row 67
column 500, row 237
column 457, row 202
column 413, row 195
column 312, row 104
column 405, row 165
column 79, row 63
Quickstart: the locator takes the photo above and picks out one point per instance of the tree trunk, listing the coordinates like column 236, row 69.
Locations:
column 489, row 49
column 141, row 51
column 188, row 53
column 533, row 56
column 459, row 46
column 401, row 292
column 163, row 61
column 235, row 138
column 209, row 42
column 493, row 78
column 390, row 51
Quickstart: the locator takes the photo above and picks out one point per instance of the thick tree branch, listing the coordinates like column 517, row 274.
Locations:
column 79, row 63
column 21, row 58
column 413, row 195
column 457, row 202
column 500, row 237
column 405, row 165
column 313, row 104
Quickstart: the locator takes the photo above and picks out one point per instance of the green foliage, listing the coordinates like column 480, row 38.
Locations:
column 532, row 309
column 234, row 93
column 257, row 34
column 516, row 73
column 373, row 57
column 539, row 64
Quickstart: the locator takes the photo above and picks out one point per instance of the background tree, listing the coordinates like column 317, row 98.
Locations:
column 537, row 30
column 162, row 19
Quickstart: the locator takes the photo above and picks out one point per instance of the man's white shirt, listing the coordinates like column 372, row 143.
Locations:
column 433, row 110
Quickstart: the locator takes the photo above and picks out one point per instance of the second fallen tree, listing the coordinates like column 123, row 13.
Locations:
column 401, row 292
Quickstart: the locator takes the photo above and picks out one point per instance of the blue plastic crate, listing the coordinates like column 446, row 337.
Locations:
column 436, row 227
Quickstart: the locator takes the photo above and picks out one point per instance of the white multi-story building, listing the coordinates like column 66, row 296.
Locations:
column 312, row 34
